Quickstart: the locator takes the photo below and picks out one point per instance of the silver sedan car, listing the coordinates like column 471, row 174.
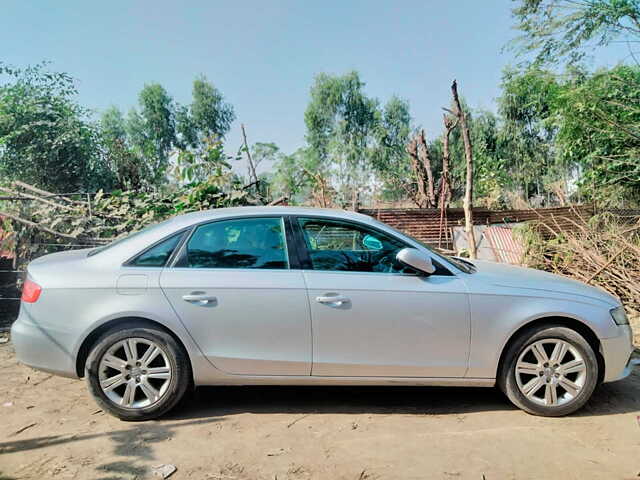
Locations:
column 297, row 296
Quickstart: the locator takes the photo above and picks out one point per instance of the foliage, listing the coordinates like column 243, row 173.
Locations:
column 580, row 130
column 389, row 159
column 526, row 107
column 208, row 115
column 129, row 168
column 140, row 146
column 599, row 130
column 491, row 172
column 297, row 177
column 152, row 129
column 554, row 30
column 46, row 137
column 341, row 121
column 200, row 165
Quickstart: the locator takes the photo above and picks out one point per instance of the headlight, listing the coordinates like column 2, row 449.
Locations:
column 619, row 316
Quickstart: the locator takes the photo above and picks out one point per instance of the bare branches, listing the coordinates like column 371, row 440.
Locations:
column 601, row 251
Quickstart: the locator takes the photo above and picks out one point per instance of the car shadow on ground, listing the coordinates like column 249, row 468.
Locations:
column 608, row 399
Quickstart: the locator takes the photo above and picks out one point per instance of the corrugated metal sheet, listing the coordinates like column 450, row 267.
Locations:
column 506, row 248
column 426, row 225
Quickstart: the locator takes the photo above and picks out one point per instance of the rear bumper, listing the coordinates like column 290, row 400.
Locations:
column 42, row 346
column 616, row 352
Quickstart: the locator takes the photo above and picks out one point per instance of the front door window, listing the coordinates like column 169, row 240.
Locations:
column 346, row 247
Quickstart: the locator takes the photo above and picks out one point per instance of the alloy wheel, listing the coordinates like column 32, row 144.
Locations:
column 134, row 373
column 551, row 372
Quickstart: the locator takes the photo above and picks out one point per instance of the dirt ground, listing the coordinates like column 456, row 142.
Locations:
column 50, row 428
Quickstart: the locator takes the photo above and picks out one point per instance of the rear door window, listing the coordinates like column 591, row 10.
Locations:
column 245, row 243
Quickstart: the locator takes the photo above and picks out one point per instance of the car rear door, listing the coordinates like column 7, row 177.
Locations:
column 370, row 317
column 233, row 288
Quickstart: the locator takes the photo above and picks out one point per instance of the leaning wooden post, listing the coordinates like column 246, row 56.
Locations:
column 468, row 154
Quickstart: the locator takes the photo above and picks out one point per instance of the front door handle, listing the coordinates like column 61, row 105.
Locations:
column 333, row 300
column 200, row 298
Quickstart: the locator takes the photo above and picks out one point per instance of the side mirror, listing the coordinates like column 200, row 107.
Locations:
column 416, row 259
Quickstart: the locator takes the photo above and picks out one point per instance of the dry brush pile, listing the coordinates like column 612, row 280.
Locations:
column 602, row 251
column 36, row 222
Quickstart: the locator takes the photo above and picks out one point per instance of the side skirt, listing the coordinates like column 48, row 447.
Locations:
column 353, row 381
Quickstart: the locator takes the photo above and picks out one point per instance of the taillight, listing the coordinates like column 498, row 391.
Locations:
column 30, row 291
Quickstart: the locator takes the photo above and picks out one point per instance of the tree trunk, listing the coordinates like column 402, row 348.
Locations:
column 421, row 166
column 468, row 154
column 253, row 177
column 445, row 182
column 426, row 165
column 444, row 190
column 412, row 149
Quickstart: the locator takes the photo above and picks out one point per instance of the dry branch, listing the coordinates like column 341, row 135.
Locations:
column 601, row 251
column 39, row 191
column 36, row 198
column 37, row 226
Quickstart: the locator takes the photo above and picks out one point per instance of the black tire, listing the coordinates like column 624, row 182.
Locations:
column 508, row 382
column 173, row 391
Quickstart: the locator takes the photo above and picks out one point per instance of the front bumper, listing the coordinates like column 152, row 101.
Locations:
column 616, row 352
column 43, row 347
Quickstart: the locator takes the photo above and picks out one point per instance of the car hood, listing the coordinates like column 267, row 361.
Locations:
column 504, row 275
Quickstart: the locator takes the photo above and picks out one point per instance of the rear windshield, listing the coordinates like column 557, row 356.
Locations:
column 120, row 240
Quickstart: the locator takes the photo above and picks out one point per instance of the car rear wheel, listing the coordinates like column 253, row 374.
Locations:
column 137, row 373
column 549, row 371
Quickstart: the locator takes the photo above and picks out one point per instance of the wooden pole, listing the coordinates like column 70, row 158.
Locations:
column 252, row 169
column 468, row 154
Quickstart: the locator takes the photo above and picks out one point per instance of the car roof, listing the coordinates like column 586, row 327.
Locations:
column 205, row 215
column 129, row 246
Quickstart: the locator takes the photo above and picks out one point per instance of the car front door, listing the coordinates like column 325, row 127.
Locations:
column 370, row 316
column 246, row 309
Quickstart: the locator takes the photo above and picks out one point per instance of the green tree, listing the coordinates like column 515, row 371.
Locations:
column 527, row 108
column 46, row 137
column 492, row 162
column 152, row 129
column 130, row 170
column 299, row 177
column 599, row 130
column 555, row 30
column 208, row 115
column 139, row 146
column 389, row 157
column 341, row 122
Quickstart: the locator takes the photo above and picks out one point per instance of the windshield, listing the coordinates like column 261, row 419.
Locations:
column 464, row 265
column 120, row 240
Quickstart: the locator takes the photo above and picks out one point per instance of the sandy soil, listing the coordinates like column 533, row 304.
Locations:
column 50, row 428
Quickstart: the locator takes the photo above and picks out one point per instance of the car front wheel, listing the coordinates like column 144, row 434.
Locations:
column 137, row 373
column 549, row 371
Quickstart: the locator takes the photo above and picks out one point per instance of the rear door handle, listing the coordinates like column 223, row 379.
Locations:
column 335, row 300
column 200, row 298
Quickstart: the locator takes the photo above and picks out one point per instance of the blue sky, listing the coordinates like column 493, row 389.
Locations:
column 263, row 55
